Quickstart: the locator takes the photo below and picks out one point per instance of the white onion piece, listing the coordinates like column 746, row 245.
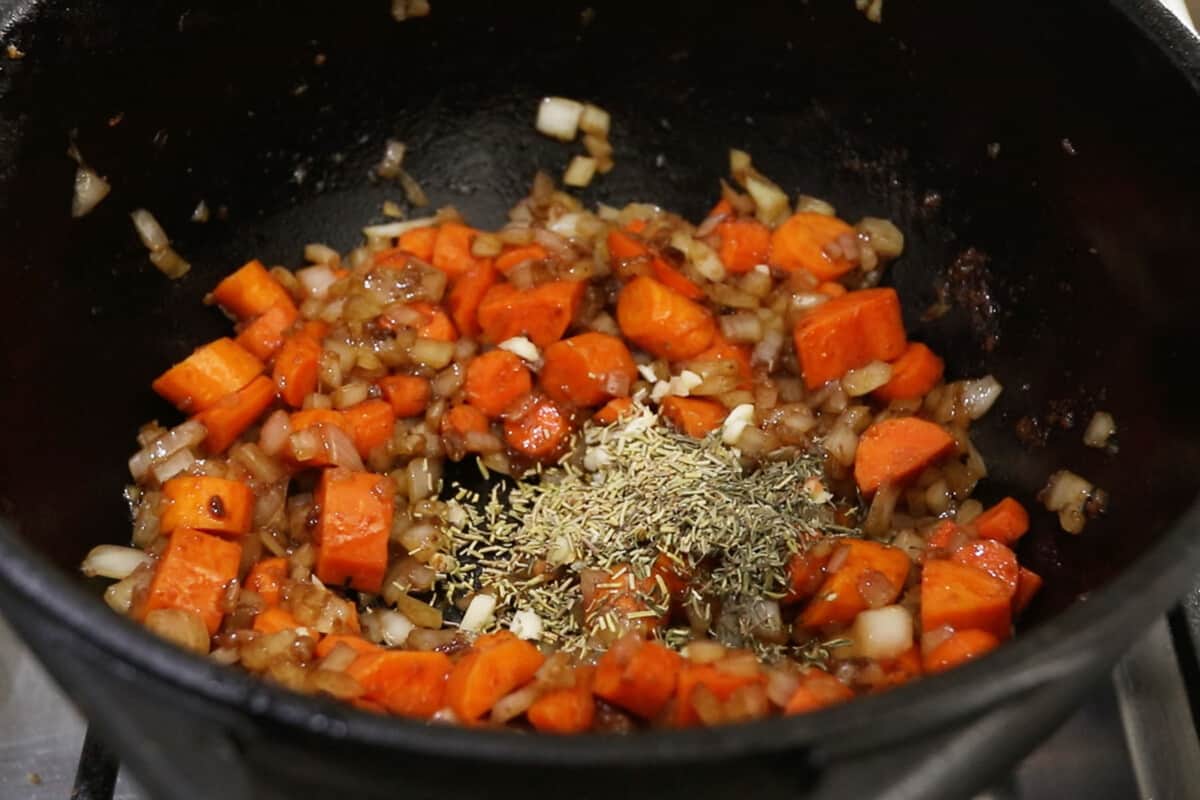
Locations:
column 393, row 159
column 522, row 348
column 339, row 447
column 864, row 380
column 882, row 632
column 113, row 561
column 980, row 395
column 316, row 280
column 273, row 437
column 558, row 117
column 316, row 253
column 149, row 231
column 394, row 627
column 766, row 352
column 391, row 230
column 1100, row 429
column 526, row 624
column 595, row 120
column 736, row 423
column 515, row 704
column 90, row 189
column 478, row 613
column 770, row 203
column 170, row 263
column 580, row 172
column 184, row 435
column 566, row 225
column 172, row 466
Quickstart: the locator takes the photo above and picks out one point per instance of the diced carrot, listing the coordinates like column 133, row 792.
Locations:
column 467, row 293
column 831, row 289
column 636, row 225
column 419, row 242
column 266, row 579
column 897, row 449
column 802, row 242
column 296, row 367
column 356, row 643
column 723, row 208
column 840, row 598
column 961, row 647
column 806, row 573
column 624, row 247
column 849, row 332
column 264, row 336
column 901, row 669
column 367, row 705
column 494, row 639
column 587, row 369
column 461, row 420
column 745, row 243
column 541, row 431
column 250, row 291
column 663, row 322
column 612, row 411
column 519, row 255
column 945, row 536
column 818, row 689
column 569, row 710
column 1006, row 522
column 542, row 313
column 722, row 349
column 308, row 417
column 962, row 597
column 483, row 676
column 371, row 423
column 671, row 277
column 353, row 527
column 1028, row 584
column 914, row 373
column 408, row 394
column 408, row 683
column 722, row 684
column 193, row 574
column 638, row 676
column 234, row 413
column 694, row 416
column 210, row 373
column 437, row 324
column 452, row 249
column 275, row 619
column 495, row 380
column 993, row 558
column 212, row 505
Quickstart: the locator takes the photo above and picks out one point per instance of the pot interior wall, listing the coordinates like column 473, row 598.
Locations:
column 1031, row 134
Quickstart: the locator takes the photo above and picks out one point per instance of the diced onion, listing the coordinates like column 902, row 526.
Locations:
column 432, row 353
column 170, row 263
column 391, row 230
column 735, row 424
column 595, row 120
column 394, row 627
column 149, row 231
column 814, row 205
column 112, row 561
column 393, row 159
column 164, row 470
column 522, row 348
column 558, row 117
column 1100, row 429
column 882, row 632
column 316, row 280
column 526, row 624
column 864, row 380
column 90, row 189
column 478, row 613
column 321, row 254
column 184, row 435
column 514, row 704
column 978, row 396
column 770, row 203
column 580, row 171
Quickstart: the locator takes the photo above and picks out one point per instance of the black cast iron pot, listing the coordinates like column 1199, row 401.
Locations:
column 1057, row 139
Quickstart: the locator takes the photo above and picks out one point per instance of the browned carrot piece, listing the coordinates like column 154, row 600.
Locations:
column 962, row 597
column 416, row 242
column 452, row 249
column 623, row 248
column 831, row 289
column 721, row 684
column 467, row 293
column 1006, row 522
column 462, row 420
column 250, row 291
column 588, row 369
column 901, row 669
column 274, row 619
column 745, row 243
column 694, row 416
column 961, row 647
column 663, row 322
column 371, row 423
column 806, row 572
column 1028, row 584
column 411, row 684
column 353, row 527
column 408, row 394
column 896, row 449
column 876, row 569
column 637, row 676
column 818, row 689
column 210, row 373
column 213, row 505
column 296, row 366
column 541, row 431
column 437, row 325
column 945, row 536
column 914, row 373
column 264, row 336
column 193, row 574
column 485, row 675
column 569, row 710
column 542, row 313
column 612, row 411
column 495, row 380
column 519, row 255
column 803, row 242
column 234, row 413
column 849, row 332
column 993, row 558
column 266, row 579
column 356, row 643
